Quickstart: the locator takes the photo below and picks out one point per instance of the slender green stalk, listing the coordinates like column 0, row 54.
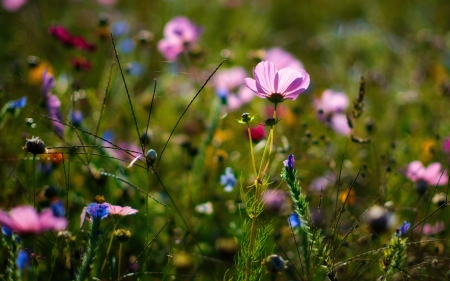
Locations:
column 107, row 251
column 147, row 223
column 251, row 150
column 34, row 181
column 120, row 261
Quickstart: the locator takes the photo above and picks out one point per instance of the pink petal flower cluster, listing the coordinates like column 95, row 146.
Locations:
column 432, row 175
column 119, row 211
column 429, row 229
column 180, row 34
column 330, row 110
column 63, row 35
column 277, row 85
column 24, row 220
column 282, row 59
column 228, row 80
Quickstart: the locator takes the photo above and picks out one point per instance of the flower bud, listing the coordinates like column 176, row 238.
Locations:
column 274, row 264
column 122, row 235
column 151, row 156
column 35, row 146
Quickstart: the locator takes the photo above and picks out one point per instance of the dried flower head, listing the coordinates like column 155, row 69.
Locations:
column 274, row 264
column 122, row 235
column 35, row 146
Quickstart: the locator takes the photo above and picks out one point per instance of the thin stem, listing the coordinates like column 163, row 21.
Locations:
column 34, row 181
column 146, row 217
column 120, row 259
column 107, row 251
column 251, row 150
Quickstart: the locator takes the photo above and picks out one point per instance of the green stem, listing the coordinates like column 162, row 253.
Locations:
column 109, row 248
column 146, row 217
column 34, row 181
column 120, row 260
column 251, row 150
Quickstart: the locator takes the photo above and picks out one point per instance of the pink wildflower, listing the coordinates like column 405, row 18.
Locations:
column 330, row 110
column 24, row 220
column 119, row 211
column 257, row 133
column 282, row 59
column 13, row 5
column 180, row 34
column 63, row 35
column 423, row 177
column 277, row 85
column 429, row 229
column 446, row 145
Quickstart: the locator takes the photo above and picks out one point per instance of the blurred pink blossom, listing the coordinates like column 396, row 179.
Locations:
column 277, row 85
column 24, row 220
column 107, row 2
column 228, row 80
column 257, row 133
column 330, row 110
column 321, row 183
column 432, row 175
column 274, row 200
column 282, row 59
column 13, row 5
column 446, row 145
column 429, row 229
column 180, row 34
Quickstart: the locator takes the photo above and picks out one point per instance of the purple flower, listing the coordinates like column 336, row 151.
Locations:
column 180, row 34
column 294, row 220
column 289, row 163
column 96, row 211
column 424, row 177
column 52, row 102
column 58, row 209
column 429, row 229
column 446, row 145
column 120, row 28
column 402, row 229
column 274, row 200
column 13, row 5
column 330, row 110
column 228, row 180
column 126, row 46
column 282, row 59
column 76, row 117
column 321, row 183
column 277, row 85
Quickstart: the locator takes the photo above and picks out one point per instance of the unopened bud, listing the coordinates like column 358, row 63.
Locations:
column 151, row 156
column 35, row 146
column 122, row 235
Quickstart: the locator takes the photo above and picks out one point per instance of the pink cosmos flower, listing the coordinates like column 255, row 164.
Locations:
column 228, row 80
column 13, row 5
column 446, row 145
column 429, row 229
column 119, row 211
column 330, row 110
column 180, row 34
column 277, row 85
column 257, row 133
column 423, row 177
column 282, row 59
column 24, row 220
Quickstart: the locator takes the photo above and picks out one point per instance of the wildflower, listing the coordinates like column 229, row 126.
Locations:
column 17, row 104
column 246, row 118
column 24, row 220
column 122, row 235
column 182, row 262
column 13, row 5
column 229, row 80
column 402, row 229
column 205, row 208
column 226, row 247
column 429, row 229
column 294, row 220
column 257, row 133
column 321, row 183
column 440, row 199
column 23, row 260
column 35, row 146
column 96, row 211
column 76, row 117
column 180, row 35
column 63, row 35
column 228, row 180
column 119, row 211
column 126, row 46
column 52, row 102
column 277, row 85
column 289, row 163
column 120, row 28
column 424, row 177
column 330, row 110
column 274, row 264
column 135, row 69
column 274, row 200
column 57, row 208
column 150, row 158
column 282, row 59
column 446, row 145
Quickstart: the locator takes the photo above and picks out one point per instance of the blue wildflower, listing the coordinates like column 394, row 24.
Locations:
column 402, row 229
column 126, row 46
column 58, row 209
column 135, row 69
column 97, row 211
column 228, row 180
column 294, row 220
column 120, row 28
column 222, row 93
column 289, row 163
column 23, row 260
column 7, row 232
column 17, row 104
column 76, row 117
